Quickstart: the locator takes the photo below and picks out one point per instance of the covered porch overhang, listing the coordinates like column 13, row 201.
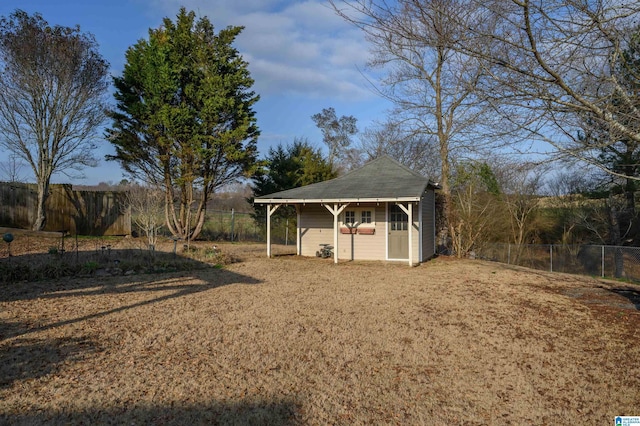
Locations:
column 335, row 206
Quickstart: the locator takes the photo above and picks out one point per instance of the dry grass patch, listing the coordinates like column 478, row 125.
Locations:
column 303, row 341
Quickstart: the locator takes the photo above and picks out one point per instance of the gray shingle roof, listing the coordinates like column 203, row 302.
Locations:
column 382, row 178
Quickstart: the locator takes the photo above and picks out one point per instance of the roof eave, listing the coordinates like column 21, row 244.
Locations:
column 333, row 200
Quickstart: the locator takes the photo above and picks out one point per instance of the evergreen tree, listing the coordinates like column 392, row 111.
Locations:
column 288, row 167
column 185, row 116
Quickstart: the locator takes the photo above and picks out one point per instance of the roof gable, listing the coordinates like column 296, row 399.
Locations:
column 382, row 178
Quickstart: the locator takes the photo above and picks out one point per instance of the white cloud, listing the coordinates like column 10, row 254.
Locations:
column 316, row 83
column 295, row 47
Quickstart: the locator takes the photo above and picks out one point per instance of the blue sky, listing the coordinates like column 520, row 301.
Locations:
column 301, row 55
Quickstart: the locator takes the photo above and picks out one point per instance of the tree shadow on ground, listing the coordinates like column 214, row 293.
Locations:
column 248, row 412
column 28, row 358
column 24, row 357
column 164, row 286
column 91, row 273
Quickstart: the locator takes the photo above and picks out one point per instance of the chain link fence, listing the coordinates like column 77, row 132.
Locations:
column 594, row 260
column 229, row 225
column 219, row 226
column 56, row 244
column 36, row 255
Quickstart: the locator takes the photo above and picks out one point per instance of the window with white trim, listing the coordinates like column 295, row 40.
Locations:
column 349, row 217
column 398, row 219
column 359, row 217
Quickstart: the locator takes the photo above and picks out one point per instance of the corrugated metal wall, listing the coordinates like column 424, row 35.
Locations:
column 81, row 212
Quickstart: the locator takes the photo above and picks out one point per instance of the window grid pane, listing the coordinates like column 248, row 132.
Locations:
column 349, row 216
column 399, row 219
column 366, row 216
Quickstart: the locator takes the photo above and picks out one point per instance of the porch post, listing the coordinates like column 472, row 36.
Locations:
column 410, row 214
column 270, row 210
column 335, row 233
column 335, row 211
column 298, row 232
column 409, row 211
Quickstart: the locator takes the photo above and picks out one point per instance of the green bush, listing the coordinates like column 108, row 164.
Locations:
column 90, row 267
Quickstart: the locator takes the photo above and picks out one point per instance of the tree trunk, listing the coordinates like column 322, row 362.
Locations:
column 169, row 211
column 447, row 231
column 619, row 262
column 199, row 223
column 41, row 216
column 630, row 217
column 185, row 224
column 614, row 223
column 443, row 212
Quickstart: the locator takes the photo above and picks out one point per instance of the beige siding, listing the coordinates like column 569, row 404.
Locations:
column 366, row 247
column 428, row 225
column 416, row 233
column 316, row 226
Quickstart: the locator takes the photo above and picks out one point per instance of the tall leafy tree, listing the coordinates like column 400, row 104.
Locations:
column 185, row 117
column 52, row 86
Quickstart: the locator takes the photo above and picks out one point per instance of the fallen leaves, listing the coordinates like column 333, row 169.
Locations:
column 266, row 341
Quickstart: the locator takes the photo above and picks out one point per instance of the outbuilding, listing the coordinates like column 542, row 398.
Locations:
column 365, row 214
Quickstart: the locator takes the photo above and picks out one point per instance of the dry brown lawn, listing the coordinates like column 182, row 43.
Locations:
column 303, row 341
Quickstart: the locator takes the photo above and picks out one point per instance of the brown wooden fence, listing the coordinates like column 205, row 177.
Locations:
column 77, row 212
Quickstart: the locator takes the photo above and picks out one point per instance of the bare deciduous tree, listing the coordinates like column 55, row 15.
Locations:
column 521, row 186
column 336, row 134
column 595, row 209
column 433, row 85
column 554, row 63
column 477, row 210
column 52, row 82
column 11, row 169
column 416, row 151
column 147, row 210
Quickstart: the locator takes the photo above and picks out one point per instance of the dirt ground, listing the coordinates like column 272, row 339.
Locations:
column 294, row 340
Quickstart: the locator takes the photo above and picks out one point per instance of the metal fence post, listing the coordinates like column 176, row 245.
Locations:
column 602, row 259
column 233, row 222
column 509, row 254
column 551, row 256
